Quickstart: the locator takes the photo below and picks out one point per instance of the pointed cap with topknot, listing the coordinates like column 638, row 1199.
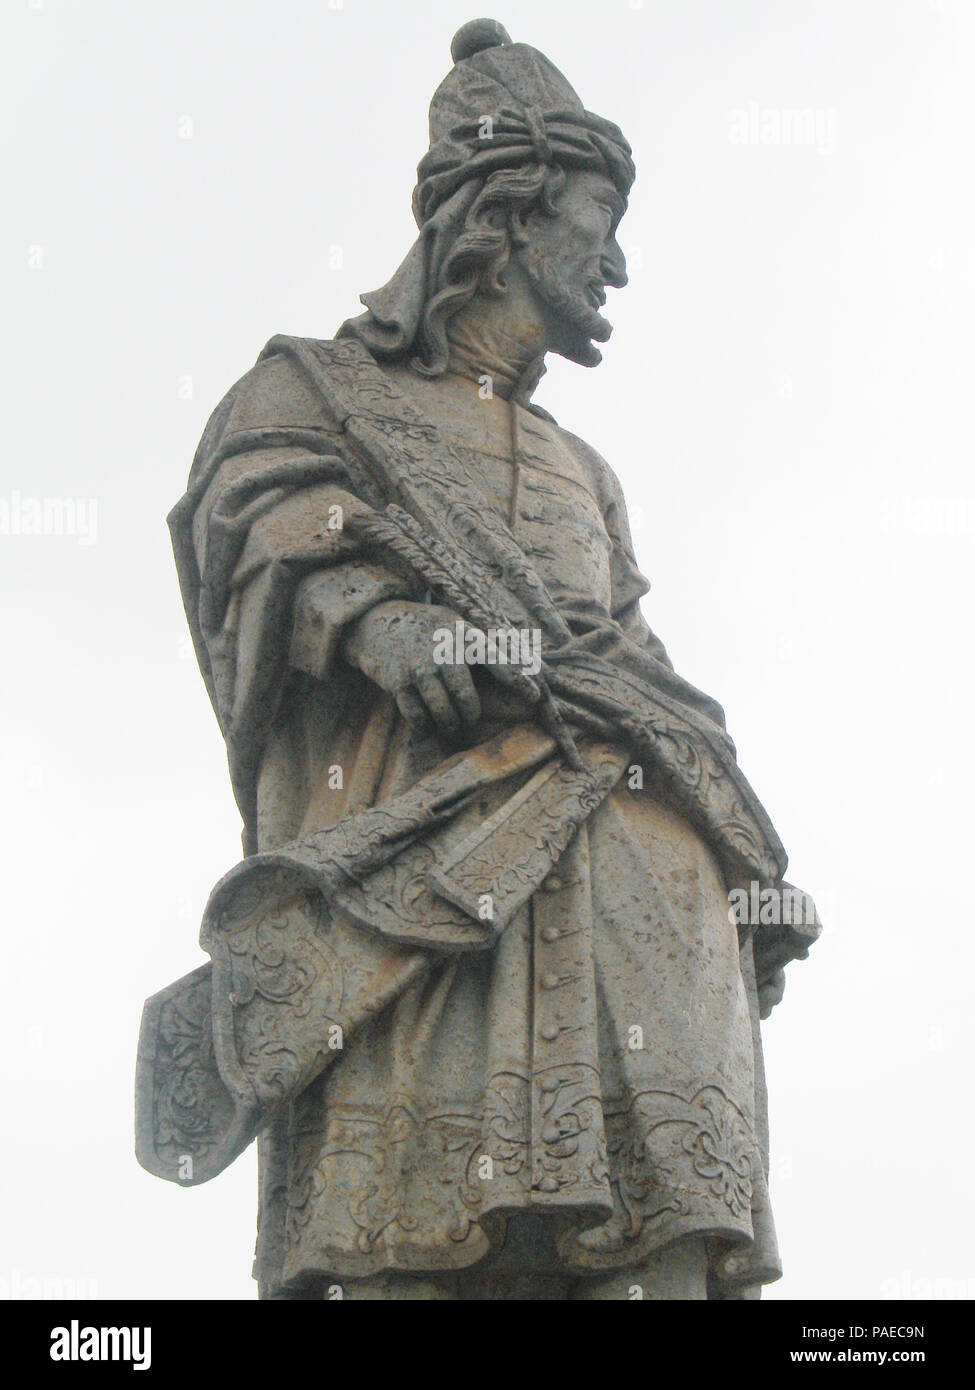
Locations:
column 502, row 105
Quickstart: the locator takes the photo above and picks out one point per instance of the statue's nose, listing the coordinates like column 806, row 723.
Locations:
column 613, row 266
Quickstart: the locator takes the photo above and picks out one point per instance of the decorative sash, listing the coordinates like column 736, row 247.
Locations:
column 476, row 565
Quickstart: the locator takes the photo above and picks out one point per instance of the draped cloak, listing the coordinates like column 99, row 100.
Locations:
column 417, row 1072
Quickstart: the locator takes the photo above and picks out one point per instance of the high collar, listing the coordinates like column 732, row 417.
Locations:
column 478, row 349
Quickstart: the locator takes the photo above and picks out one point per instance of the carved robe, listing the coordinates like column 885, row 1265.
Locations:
column 422, row 1079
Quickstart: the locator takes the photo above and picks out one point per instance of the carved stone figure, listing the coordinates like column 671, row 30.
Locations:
column 475, row 987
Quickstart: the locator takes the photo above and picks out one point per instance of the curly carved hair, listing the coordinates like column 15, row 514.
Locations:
column 478, row 258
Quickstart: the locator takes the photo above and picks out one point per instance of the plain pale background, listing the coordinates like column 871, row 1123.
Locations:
column 786, row 400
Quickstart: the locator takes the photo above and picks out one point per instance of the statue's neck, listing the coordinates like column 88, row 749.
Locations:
column 480, row 346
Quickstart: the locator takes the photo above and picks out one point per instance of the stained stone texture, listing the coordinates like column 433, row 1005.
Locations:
column 475, row 987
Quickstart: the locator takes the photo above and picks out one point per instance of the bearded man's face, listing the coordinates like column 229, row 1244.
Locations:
column 569, row 260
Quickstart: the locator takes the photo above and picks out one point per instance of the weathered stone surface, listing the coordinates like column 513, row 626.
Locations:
column 477, row 987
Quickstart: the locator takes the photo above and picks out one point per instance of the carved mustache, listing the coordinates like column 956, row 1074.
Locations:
column 597, row 290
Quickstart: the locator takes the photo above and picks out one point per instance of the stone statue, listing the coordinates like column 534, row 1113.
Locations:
column 476, row 987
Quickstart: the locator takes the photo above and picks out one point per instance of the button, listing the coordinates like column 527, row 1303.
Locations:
column 553, row 883
column 550, row 1032
column 550, row 933
column 550, row 1084
column 551, row 1134
column 550, row 980
column 547, row 1185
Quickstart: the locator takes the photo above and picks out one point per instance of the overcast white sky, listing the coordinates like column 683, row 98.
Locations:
column 786, row 399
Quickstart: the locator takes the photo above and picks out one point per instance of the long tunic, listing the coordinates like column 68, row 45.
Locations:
column 598, row 1071
column 598, row 1067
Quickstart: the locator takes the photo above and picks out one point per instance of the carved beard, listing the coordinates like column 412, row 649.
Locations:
column 583, row 321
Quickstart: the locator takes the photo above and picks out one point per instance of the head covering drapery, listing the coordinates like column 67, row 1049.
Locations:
column 503, row 105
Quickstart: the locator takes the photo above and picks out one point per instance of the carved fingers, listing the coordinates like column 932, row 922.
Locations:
column 444, row 696
column 402, row 646
column 460, row 686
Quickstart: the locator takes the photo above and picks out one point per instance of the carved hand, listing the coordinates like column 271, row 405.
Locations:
column 394, row 645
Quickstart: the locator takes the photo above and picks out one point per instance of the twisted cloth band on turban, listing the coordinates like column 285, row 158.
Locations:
column 507, row 139
column 502, row 106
